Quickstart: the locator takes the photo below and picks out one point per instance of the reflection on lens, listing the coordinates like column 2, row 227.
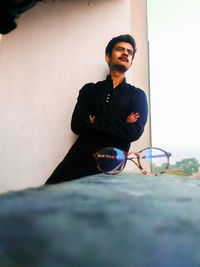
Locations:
column 110, row 160
column 153, row 160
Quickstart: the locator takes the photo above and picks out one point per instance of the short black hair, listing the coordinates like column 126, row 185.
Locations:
column 127, row 38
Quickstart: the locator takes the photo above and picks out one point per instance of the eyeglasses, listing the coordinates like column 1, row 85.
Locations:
column 151, row 160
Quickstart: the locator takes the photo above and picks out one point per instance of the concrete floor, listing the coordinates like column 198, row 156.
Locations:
column 103, row 221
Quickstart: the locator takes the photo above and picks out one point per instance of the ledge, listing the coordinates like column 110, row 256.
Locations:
column 123, row 220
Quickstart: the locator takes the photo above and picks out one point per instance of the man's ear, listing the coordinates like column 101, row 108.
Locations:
column 107, row 58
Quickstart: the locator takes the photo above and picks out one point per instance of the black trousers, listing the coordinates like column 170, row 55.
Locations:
column 78, row 162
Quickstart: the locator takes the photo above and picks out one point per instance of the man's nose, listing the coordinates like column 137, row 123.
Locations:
column 125, row 52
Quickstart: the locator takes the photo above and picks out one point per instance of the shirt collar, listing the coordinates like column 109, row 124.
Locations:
column 108, row 78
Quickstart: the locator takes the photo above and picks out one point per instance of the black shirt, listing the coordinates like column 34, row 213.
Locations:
column 110, row 107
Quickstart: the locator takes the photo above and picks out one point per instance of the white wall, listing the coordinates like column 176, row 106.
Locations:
column 57, row 47
column 140, row 68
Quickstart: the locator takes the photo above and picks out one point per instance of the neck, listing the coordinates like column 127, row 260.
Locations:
column 117, row 77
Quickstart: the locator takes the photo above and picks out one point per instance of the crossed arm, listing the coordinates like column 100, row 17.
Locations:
column 129, row 129
column 130, row 119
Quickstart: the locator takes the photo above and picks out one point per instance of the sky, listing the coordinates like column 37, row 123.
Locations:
column 174, row 44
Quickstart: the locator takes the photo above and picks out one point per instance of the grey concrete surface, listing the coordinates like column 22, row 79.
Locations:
column 103, row 221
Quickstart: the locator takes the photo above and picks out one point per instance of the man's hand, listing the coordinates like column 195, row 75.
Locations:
column 92, row 118
column 132, row 117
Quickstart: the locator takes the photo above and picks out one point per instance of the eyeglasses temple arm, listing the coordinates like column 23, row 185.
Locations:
column 156, row 156
column 136, row 156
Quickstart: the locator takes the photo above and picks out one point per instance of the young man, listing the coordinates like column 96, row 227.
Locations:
column 108, row 113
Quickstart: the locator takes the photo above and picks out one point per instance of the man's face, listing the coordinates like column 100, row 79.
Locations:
column 122, row 56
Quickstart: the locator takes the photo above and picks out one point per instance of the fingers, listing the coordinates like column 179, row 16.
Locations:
column 132, row 117
column 92, row 119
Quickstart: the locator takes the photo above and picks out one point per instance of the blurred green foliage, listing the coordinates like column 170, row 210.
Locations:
column 185, row 167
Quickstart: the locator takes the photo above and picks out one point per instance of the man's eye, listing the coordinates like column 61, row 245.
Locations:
column 130, row 52
column 119, row 48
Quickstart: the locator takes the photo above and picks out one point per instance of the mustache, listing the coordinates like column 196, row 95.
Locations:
column 124, row 58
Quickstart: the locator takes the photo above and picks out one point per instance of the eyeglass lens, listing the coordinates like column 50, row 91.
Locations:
column 153, row 160
column 110, row 160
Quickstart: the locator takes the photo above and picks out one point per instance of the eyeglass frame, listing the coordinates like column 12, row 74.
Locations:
column 126, row 154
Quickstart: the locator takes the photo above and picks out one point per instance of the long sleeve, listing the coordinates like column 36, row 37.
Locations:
column 119, row 128
column 110, row 116
column 80, row 123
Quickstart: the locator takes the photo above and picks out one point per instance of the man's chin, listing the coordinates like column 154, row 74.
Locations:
column 120, row 67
